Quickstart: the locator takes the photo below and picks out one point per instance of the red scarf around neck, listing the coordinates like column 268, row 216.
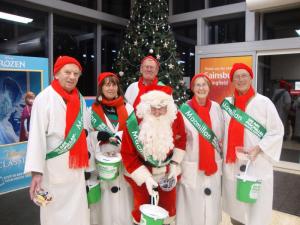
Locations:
column 143, row 89
column 119, row 104
column 207, row 161
column 78, row 156
column 235, row 129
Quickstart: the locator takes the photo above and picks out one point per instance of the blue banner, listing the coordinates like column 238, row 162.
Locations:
column 18, row 75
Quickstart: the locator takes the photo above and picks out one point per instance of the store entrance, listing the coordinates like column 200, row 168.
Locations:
column 279, row 79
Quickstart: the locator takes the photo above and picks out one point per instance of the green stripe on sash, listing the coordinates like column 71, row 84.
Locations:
column 243, row 118
column 72, row 136
column 133, row 129
column 98, row 124
column 200, row 126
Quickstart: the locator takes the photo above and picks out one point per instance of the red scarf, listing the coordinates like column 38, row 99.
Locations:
column 207, row 161
column 143, row 89
column 78, row 156
column 236, row 130
column 118, row 103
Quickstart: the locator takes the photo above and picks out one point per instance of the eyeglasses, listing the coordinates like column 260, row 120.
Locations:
column 241, row 76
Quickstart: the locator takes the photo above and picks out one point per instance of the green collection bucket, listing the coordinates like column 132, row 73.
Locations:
column 94, row 192
column 247, row 188
column 108, row 167
column 152, row 215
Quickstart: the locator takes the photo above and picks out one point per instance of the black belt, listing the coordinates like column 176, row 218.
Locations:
column 151, row 165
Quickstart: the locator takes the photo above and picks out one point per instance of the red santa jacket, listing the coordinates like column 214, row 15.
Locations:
column 133, row 161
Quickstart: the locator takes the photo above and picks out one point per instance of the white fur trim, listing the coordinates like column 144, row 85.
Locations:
column 140, row 175
column 178, row 155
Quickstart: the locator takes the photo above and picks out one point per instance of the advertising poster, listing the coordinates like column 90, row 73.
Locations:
column 218, row 69
column 18, row 75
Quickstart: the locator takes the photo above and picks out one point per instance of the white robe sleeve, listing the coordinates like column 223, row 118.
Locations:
column 271, row 143
column 37, row 148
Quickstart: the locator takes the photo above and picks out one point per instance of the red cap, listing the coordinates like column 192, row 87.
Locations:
column 61, row 61
column 103, row 75
column 151, row 58
column 238, row 66
column 197, row 76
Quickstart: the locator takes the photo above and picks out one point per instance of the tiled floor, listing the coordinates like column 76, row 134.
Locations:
column 278, row 218
column 17, row 209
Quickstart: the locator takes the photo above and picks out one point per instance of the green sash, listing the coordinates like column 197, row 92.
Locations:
column 133, row 129
column 200, row 126
column 98, row 124
column 72, row 136
column 244, row 119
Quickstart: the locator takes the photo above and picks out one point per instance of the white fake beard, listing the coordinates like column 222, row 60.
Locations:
column 156, row 135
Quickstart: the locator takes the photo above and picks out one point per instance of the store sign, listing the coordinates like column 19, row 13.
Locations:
column 218, row 69
column 17, row 76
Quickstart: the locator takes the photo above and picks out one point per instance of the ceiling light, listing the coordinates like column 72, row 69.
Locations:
column 11, row 17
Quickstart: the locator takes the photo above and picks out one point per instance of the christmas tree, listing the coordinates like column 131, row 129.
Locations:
column 148, row 33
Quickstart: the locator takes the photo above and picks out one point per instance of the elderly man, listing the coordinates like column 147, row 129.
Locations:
column 149, row 70
column 251, row 122
column 57, row 149
column 152, row 149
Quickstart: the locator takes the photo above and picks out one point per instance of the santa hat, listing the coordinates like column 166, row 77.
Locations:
column 103, row 75
column 238, row 66
column 197, row 76
column 61, row 61
column 159, row 97
column 151, row 58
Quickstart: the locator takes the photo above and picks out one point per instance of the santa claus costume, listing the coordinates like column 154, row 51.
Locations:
column 116, row 196
column 163, row 139
column 199, row 188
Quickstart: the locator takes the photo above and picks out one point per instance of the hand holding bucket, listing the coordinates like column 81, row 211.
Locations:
column 152, row 214
column 247, row 188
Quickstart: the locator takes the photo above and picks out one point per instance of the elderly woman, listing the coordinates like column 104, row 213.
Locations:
column 199, row 190
column 108, row 119
column 251, row 122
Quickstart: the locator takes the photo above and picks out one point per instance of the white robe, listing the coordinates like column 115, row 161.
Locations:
column 194, row 207
column 67, row 186
column 113, row 208
column 132, row 92
column 263, row 111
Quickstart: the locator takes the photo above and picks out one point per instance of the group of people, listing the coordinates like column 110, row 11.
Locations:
column 193, row 145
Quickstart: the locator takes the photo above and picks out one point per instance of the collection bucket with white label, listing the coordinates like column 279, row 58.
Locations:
column 108, row 166
column 94, row 191
column 247, row 188
column 152, row 214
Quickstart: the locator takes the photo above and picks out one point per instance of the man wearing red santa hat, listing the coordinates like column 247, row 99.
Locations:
column 149, row 69
column 153, row 148
column 57, row 150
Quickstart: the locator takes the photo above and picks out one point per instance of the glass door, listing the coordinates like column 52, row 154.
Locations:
column 278, row 77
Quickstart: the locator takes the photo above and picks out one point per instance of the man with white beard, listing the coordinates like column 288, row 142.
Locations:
column 152, row 149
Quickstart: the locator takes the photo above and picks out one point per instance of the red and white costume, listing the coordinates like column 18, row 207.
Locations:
column 139, row 170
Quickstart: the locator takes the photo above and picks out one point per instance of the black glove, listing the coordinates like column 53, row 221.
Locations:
column 87, row 175
column 103, row 136
column 86, row 132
